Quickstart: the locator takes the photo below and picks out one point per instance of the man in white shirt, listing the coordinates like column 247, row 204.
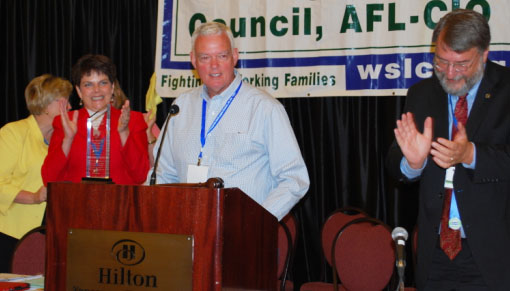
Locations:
column 229, row 129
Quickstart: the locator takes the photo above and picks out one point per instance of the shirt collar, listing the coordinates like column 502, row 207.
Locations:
column 97, row 117
column 97, row 113
column 470, row 96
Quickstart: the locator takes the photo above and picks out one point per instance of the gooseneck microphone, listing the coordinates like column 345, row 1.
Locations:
column 174, row 109
column 399, row 235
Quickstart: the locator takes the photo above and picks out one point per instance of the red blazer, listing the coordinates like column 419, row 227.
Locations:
column 128, row 164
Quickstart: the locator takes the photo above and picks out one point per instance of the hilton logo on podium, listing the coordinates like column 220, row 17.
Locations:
column 128, row 253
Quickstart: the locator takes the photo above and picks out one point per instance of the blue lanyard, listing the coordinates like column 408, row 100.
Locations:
column 454, row 119
column 203, row 135
column 454, row 210
column 95, row 150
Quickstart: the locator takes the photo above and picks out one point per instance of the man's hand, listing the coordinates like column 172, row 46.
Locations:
column 447, row 153
column 414, row 145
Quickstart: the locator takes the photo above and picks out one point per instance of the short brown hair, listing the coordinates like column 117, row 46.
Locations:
column 97, row 63
column 462, row 30
column 43, row 90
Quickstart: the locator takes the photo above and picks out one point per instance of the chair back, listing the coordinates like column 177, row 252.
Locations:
column 29, row 254
column 364, row 255
column 287, row 234
column 335, row 222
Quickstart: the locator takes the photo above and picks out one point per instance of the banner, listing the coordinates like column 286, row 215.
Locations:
column 309, row 48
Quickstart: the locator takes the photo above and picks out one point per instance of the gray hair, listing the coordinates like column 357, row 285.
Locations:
column 462, row 30
column 212, row 28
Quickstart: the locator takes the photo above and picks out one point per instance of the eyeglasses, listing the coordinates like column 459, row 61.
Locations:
column 443, row 65
column 205, row 59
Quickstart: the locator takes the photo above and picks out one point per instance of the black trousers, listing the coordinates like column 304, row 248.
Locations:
column 461, row 273
column 7, row 244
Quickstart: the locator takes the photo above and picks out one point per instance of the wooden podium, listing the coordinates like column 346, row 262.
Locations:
column 235, row 239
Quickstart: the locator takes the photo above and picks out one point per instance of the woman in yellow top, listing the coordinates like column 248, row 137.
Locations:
column 23, row 147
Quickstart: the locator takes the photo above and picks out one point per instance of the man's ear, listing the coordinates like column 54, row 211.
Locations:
column 235, row 55
column 193, row 60
column 485, row 55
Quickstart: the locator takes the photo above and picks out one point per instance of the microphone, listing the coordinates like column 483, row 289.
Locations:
column 399, row 235
column 174, row 109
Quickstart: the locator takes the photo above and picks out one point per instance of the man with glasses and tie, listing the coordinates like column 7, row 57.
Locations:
column 454, row 137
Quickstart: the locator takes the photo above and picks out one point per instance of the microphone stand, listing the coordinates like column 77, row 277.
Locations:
column 174, row 109
column 400, row 270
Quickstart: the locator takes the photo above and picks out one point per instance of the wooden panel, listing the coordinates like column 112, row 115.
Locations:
column 250, row 239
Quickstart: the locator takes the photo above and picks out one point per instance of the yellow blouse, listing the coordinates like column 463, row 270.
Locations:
column 22, row 153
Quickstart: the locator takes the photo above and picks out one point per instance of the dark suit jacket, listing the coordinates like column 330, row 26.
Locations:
column 483, row 194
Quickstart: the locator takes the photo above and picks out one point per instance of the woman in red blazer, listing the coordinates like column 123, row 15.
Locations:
column 94, row 77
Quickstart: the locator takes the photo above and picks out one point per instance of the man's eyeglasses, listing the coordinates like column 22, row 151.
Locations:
column 443, row 65
column 205, row 59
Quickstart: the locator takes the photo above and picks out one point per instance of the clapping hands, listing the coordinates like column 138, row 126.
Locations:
column 123, row 126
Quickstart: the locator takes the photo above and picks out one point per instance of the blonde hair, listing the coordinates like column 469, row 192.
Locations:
column 43, row 90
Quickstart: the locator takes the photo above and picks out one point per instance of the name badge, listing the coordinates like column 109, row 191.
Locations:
column 197, row 174
column 448, row 179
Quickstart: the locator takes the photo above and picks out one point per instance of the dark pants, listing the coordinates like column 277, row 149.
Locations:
column 461, row 273
column 7, row 244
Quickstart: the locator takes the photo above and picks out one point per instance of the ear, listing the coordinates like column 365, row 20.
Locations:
column 113, row 88
column 193, row 59
column 485, row 56
column 235, row 55
column 78, row 90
